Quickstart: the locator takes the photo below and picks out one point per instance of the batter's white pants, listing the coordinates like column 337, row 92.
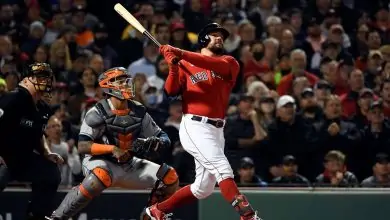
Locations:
column 206, row 144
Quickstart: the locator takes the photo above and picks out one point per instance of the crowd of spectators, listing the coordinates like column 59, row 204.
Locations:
column 313, row 91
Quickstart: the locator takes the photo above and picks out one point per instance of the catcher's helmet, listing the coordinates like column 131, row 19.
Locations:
column 43, row 75
column 117, row 83
column 203, row 36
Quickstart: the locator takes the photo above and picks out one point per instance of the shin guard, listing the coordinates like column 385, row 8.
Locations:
column 80, row 196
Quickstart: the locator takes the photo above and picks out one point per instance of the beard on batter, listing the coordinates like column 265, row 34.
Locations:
column 216, row 50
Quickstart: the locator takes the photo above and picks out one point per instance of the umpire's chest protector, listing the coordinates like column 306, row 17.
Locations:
column 121, row 129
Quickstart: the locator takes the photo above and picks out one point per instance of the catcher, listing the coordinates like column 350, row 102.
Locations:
column 110, row 137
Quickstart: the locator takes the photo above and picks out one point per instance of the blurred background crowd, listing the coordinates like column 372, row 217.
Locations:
column 309, row 108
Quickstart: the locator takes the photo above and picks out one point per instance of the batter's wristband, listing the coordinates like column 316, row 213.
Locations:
column 99, row 149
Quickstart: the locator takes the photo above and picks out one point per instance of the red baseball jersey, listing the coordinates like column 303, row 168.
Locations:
column 205, row 83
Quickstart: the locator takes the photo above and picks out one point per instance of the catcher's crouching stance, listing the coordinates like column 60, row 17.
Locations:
column 106, row 138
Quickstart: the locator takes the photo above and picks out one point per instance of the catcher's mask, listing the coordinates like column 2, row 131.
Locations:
column 117, row 83
column 41, row 76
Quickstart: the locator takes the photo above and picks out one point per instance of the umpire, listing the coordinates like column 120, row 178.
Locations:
column 24, row 153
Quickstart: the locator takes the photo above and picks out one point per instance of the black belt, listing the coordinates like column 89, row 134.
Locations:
column 215, row 123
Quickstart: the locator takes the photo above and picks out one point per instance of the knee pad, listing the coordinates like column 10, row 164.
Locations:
column 97, row 181
column 167, row 175
column 103, row 175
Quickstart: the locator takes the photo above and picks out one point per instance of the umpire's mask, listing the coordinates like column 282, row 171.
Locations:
column 41, row 76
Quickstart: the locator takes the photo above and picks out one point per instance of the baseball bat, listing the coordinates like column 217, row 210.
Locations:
column 122, row 11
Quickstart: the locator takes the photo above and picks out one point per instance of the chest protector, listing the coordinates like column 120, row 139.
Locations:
column 121, row 129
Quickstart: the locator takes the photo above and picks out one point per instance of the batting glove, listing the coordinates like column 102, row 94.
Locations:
column 168, row 48
column 171, row 58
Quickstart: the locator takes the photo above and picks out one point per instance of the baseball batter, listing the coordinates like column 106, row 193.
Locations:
column 109, row 137
column 205, row 81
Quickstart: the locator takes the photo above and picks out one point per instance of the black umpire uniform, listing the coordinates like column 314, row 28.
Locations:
column 22, row 124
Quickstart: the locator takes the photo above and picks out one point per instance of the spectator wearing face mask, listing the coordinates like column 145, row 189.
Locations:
column 153, row 99
column 380, row 171
column 290, row 176
column 309, row 108
column 247, row 174
column 336, row 173
column 256, row 65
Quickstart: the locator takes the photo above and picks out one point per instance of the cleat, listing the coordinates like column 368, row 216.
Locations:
column 254, row 217
column 155, row 214
column 53, row 218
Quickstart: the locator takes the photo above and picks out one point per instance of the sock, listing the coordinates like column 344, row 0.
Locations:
column 232, row 195
column 228, row 189
column 181, row 197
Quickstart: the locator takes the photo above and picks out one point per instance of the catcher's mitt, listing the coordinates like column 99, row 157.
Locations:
column 143, row 147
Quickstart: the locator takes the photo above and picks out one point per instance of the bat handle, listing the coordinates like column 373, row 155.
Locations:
column 147, row 34
column 175, row 60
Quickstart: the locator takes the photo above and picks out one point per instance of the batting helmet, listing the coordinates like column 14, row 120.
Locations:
column 117, row 83
column 203, row 36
